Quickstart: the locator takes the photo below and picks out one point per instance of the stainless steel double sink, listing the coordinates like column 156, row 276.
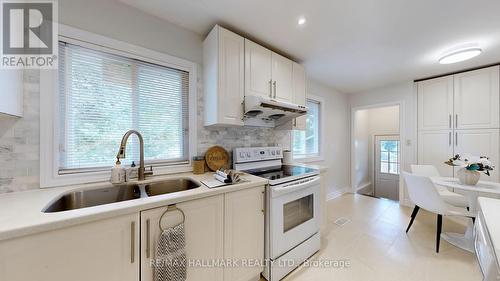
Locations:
column 117, row 193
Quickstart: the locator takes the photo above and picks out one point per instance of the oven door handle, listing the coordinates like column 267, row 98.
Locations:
column 296, row 185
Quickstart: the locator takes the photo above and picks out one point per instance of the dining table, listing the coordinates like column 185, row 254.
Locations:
column 471, row 192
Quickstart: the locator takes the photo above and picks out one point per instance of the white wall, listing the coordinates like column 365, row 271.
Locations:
column 388, row 95
column 336, row 136
column 361, row 143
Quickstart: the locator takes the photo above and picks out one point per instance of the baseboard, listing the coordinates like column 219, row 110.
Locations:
column 337, row 193
column 368, row 186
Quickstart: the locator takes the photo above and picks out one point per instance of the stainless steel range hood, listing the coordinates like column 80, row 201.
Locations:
column 268, row 112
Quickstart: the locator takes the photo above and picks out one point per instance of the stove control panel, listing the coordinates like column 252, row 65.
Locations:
column 251, row 154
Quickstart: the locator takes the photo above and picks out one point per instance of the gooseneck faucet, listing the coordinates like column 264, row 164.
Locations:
column 121, row 153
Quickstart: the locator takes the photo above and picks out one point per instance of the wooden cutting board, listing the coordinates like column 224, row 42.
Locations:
column 216, row 158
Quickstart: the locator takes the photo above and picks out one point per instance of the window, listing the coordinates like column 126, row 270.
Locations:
column 306, row 143
column 103, row 95
column 389, row 157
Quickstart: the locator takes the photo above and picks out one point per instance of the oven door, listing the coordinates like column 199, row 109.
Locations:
column 294, row 214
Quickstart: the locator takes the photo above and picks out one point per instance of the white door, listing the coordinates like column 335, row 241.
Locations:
column 477, row 99
column 479, row 143
column 244, row 232
column 204, row 238
column 258, row 78
column 232, row 77
column 435, row 148
column 282, row 74
column 299, row 94
column 387, row 155
column 435, row 104
column 105, row 250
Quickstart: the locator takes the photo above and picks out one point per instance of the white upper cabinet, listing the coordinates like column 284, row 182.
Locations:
column 483, row 142
column 299, row 93
column 435, row 104
column 477, row 99
column 224, row 59
column 282, row 74
column 11, row 93
column 258, row 64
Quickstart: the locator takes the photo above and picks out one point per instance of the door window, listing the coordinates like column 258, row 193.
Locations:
column 389, row 157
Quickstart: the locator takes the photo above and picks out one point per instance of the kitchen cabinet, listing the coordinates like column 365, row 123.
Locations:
column 435, row 104
column 224, row 74
column 268, row 74
column 204, row 229
column 11, row 93
column 299, row 94
column 258, row 67
column 244, row 233
column 477, row 99
column 434, row 148
column 483, row 142
column 105, row 250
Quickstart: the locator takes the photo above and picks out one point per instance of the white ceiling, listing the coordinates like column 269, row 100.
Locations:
column 351, row 45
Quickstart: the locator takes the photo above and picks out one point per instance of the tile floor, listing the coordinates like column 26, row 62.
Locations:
column 375, row 243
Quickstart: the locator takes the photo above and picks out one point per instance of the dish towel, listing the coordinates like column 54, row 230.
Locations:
column 171, row 255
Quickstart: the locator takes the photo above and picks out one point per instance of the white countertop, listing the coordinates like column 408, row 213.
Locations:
column 21, row 212
column 491, row 211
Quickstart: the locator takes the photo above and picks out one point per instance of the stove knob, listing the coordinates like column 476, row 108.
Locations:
column 242, row 154
column 248, row 154
column 278, row 152
column 273, row 152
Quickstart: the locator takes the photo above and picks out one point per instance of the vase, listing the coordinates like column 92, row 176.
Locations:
column 468, row 177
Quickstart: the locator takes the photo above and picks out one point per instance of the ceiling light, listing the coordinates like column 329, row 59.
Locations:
column 301, row 21
column 460, row 55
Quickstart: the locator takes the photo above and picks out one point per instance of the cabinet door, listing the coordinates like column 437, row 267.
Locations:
column 244, row 233
column 477, row 99
column 282, row 74
column 435, row 104
column 231, row 77
column 435, row 148
column 204, row 236
column 299, row 93
column 105, row 250
column 479, row 143
column 258, row 79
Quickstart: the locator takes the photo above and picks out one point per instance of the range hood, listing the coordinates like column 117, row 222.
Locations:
column 268, row 112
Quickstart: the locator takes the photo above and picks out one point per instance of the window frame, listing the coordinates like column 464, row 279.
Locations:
column 49, row 113
column 308, row 158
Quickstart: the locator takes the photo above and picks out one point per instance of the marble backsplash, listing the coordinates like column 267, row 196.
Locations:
column 20, row 138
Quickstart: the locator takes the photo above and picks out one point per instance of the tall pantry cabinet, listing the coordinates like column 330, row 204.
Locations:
column 459, row 114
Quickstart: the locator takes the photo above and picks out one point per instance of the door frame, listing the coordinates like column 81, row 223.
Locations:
column 375, row 159
column 402, row 138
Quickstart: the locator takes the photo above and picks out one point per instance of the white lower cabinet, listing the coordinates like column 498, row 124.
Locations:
column 105, row 250
column 204, row 224
column 244, row 233
column 434, row 148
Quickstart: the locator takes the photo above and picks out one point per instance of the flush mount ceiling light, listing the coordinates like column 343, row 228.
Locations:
column 301, row 21
column 460, row 55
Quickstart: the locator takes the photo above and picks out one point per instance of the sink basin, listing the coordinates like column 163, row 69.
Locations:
column 170, row 186
column 94, row 197
column 117, row 193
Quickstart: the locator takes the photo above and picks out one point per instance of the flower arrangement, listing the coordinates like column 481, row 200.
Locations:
column 472, row 163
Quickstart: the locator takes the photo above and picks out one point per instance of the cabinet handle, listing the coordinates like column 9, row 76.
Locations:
column 449, row 121
column 456, row 138
column 274, row 86
column 449, row 138
column 148, row 239
column 263, row 202
column 456, row 120
column 270, row 88
column 132, row 242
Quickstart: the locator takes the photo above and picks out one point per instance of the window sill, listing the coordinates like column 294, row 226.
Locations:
column 309, row 159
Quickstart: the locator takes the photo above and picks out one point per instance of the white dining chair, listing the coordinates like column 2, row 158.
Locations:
column 424, row 195
column 448, row 196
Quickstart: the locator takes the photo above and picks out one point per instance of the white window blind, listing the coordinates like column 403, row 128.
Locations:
column 306, row 143
column 102, row 95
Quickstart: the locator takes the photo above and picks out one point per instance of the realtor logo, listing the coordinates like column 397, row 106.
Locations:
column 29, row 34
